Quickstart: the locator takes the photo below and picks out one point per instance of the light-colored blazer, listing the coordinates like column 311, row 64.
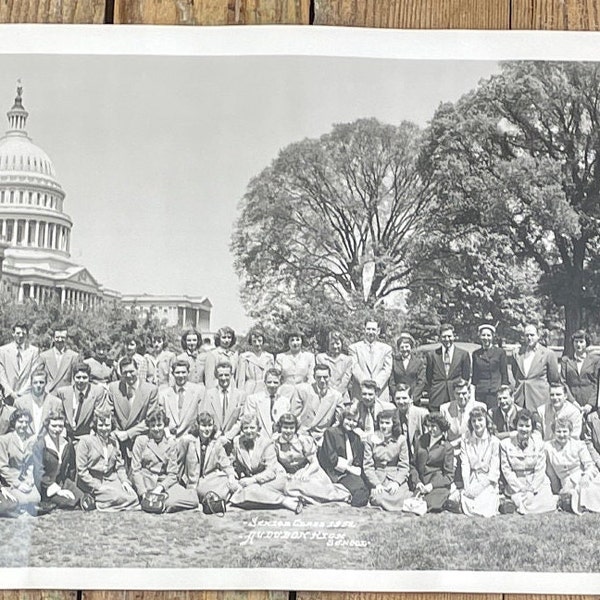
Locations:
column 16, row 382
column 49, row 403
column 227, row 421
column 260, row 405
column 153, row 464
column 59, row 374
column 168, row 398
column 375, row 365
column 214, row 459
column 131, row 415
column 532, row 390
column 315, row 414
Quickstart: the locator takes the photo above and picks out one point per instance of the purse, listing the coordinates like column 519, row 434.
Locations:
column 153, row 502
column 213, row 504
column 415, row 505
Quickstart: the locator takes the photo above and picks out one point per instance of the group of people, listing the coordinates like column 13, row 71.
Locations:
column 399, row 429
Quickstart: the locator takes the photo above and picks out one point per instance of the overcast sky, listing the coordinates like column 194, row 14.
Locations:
column 155, row 154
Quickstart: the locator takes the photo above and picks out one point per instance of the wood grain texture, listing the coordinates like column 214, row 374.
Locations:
column 574, row 15
column 415, row 14
column 52, row 11
column 37, row 595
column 390, row 596
column 139, row 595
column 212, row 12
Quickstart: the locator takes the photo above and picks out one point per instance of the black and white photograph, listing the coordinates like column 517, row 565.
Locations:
column 284, row 309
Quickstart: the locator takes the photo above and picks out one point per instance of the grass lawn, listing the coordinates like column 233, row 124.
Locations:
column 327, row 536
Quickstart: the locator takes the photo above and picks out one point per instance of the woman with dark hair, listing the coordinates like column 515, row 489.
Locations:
column 297, row 453
column 100, row 467
column 408, row 368
column 261, row 479
column 296, row 365
column 432, row 474
column 341, row 456
column 54, row 465
column 386, row 465
column 253, row 364
column 154, row 465
column 490, row 367
column 16, row 462
column 572, row 471
column 194, row 354
column 224, row 352
column 339, row 363
column 581, row 373
column 205, row 464
column 523, row 463
column 480, row 466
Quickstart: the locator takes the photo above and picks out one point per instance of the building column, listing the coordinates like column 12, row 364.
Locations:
column 36, row 240
column 26, row 233
column 4, row 229
column 14, row 232
column 20, row 294
column 62, row 295
column 32, row 291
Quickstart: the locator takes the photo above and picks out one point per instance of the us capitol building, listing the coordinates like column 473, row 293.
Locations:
column 35, row 238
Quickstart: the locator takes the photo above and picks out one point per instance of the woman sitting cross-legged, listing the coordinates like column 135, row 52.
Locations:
column 16, row 463
column 54, row 465
column 480, row 466
column 297, row 453
column 432, row 474
column 206, row 466
column 100, row 468
column 154, row 466
column 572, row 470
column 386, row 464
column 523, row 463
column 262, row 479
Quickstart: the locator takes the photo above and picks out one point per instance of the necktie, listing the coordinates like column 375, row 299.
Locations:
column 78, row 411
column 369, row 423
column 19, row 359
column 180, row 399
column 446, row 360
column 202, row 457
column 130, row 392
column 224, row 405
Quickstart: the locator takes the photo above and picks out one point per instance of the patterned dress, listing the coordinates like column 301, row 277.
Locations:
column 296, row 370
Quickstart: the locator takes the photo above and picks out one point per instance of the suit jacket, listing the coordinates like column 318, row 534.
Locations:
column 59, row 374
column 168, row 398
column 5, row 412
column 260, row 405
column 412, row 426
column 16, row 381
column 433, row 465
column 315, row 414
column 16, row 460
column 439, row 383
column 533, row 389
column 385, row 460
column 226, row 418
column 50, row 403
column 334, row 447
column 591, row 436
column 259, row 461
column 413, row 376
column 158, row 368
column 504, row 424
column 131, row 414
column 48, row 470
column 490, row 370
column 96, row 396
column 583, row 386
column 371, row 363
column 213, row 358
column 196, row 464
column 92, row 465
column 570, row 412
column 153, row 464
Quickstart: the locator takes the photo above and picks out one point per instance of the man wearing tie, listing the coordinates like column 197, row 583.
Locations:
column 132, row 400
column 371, row 361
column 225, row 403
column 37, row 401
column 181, row 400
column 17, row 360
column 80, row 400
column 444, row 366
column 368, row 408
column 58, row 361
column 411, row 417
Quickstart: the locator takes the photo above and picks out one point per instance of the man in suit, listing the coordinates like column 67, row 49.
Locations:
column 181, row 400
column 316, row 406
column 225, row 403
column 37, row 401
column 132, row 400
column 369, row 406
column 506, row 414
column 411, row 417
column 80, row 400
column 408, row 368
column 534, row 369
column 58, row 361
column 269, row 404
column 17, row 361
column 371, row 361
column 444, row 366
column 558, row 407
column 5, row 412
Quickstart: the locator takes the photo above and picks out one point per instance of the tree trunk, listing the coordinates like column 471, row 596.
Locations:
column 573, row 320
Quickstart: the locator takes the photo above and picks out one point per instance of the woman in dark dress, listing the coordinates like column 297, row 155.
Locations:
column 490, row 367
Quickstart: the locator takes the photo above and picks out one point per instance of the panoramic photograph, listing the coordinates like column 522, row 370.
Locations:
column 298, row 313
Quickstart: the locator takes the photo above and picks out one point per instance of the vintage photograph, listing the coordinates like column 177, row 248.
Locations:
column 311, row 319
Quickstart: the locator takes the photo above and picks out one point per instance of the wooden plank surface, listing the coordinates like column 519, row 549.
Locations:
column 574, row 15
column 37, row 595
column 212, row 12
column 52, row 11
column 98, row 595
column 415, row 14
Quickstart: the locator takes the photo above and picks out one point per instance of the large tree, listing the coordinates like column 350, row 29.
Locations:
column 518, row 157
column 337, row 221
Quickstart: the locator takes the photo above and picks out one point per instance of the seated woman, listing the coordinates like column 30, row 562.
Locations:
column 523, row 463
column 16, row 463
column 297, row 453
column 100, row 467
column 386, row 464
column 572, row 471
column 341, row 456
column 480, row 466
column 262, row 479
column 54, row 465
column 206, row 466
column 432, row 474
column 154, row 466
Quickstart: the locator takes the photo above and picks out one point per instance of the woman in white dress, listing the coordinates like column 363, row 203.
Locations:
column 296, row 365
column 572, row 470
column 253, row 364
column 480, row 466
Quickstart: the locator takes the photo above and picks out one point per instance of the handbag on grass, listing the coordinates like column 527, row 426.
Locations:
column 153, row 502
column 415, row 505
column 213, row 504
